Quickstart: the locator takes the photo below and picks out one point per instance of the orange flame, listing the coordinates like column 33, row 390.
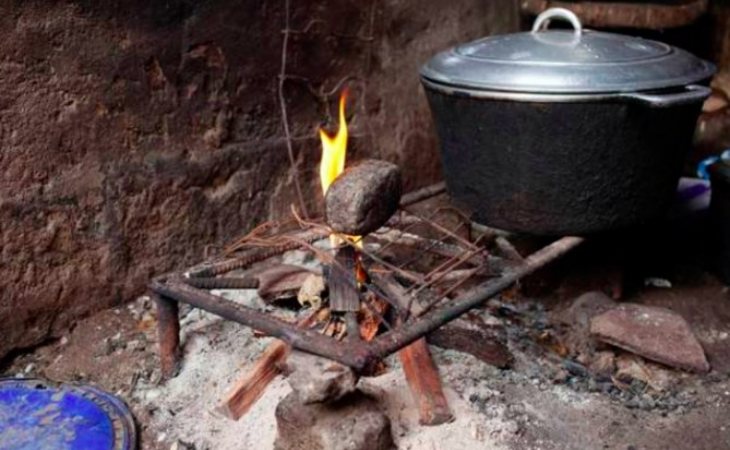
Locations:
column 334, row 149
column 334, row 152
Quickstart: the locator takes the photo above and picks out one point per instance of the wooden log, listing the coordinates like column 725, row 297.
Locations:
column 421, row 373
column 425, row 383
column 250, row 388
column 246, row 392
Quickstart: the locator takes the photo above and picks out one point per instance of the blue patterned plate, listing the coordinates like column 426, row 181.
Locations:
column 42, row 415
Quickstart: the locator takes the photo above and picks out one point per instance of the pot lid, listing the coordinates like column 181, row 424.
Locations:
column 565, row 61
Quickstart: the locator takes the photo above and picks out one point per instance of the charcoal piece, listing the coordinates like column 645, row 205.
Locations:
column 363, row 197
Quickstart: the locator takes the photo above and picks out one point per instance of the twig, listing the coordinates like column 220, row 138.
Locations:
column 284, row 115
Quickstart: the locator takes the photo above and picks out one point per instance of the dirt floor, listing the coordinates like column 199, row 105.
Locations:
column 546, row 400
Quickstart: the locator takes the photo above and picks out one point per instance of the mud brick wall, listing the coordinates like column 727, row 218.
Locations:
column 134, row 133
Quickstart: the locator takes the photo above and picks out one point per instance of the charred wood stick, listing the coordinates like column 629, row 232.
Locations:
column 168, row 335
column 398, row 237
column 477, row 343
column 422, row 194
column 343, row 291
column 489, row 233
column 398, row 295
column 461, row 274
column 355, row 354
column 507, row 249
column 423, row 378
column 247, row 391
column 392, row 341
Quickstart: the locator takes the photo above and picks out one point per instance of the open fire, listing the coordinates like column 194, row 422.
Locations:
column 390, row 277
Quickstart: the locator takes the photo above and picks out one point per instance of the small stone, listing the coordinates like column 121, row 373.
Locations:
column 311, row 291
column 603, row 365
column 353, row 423
column 658, row 334
column 630, row 368
column 316, row 379
column 135, row 345
column 575, row 368
column 363, row 197
column 576, row 320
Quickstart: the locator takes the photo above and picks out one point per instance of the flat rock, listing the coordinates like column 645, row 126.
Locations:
column 363, row 197
column 315, row 379
column 658, row 334
column 355, row 422
column 575, row 323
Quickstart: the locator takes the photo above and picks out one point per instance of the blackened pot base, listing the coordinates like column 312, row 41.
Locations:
column 572, row 168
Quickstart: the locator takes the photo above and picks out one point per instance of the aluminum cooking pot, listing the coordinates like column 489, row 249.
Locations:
column 557, row 132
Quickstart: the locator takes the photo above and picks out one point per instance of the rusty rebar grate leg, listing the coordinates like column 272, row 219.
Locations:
column 168, row 331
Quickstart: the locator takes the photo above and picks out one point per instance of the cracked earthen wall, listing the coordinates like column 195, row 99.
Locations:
column 134, row 133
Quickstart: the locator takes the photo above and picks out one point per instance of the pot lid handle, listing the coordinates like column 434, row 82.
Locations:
column 543, row 20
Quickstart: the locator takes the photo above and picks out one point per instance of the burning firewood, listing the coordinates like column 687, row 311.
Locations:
column 344, row 293
column 420, row 370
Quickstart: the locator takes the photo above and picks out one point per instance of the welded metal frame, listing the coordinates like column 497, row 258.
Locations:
column 190, row 287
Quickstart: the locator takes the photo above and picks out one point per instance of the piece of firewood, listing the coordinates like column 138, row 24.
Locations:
column 342, row 284
column 425, row 383
column 421, row 373
column 251, row 387
column 246, row 392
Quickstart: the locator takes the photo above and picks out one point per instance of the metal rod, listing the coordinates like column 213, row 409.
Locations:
column 398, row 237
column 222, row 283
column 394, row 340
column 168, row 335
column 290, row 242
column 443, row 229
column 353, row 354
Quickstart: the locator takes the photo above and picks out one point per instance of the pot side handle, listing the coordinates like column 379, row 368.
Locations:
column 694, row 93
